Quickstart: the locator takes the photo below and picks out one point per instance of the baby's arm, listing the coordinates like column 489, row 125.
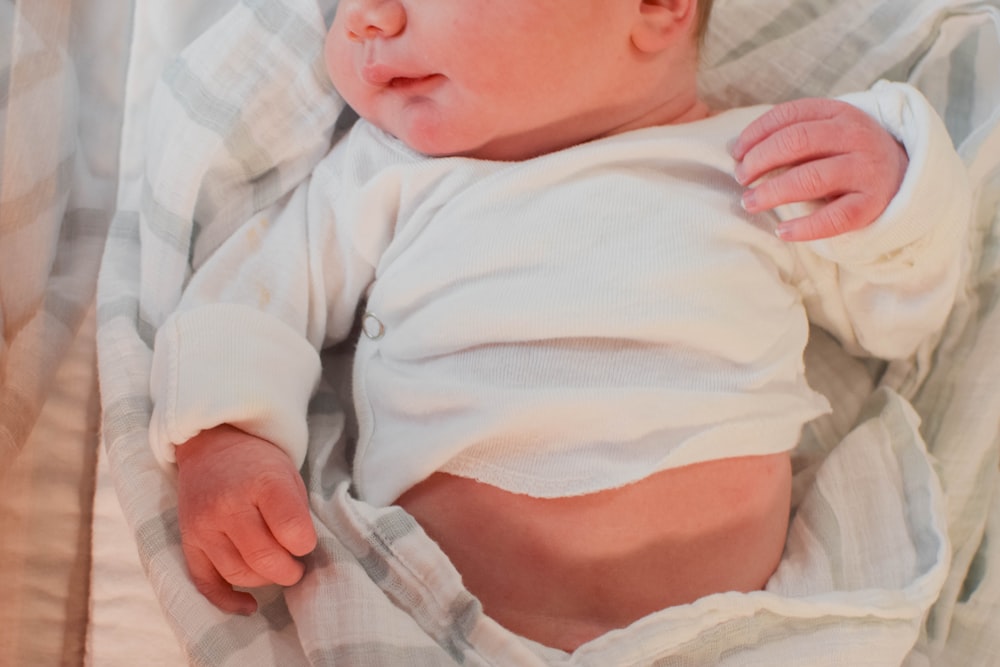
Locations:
column 882, row 281
column 233, row 370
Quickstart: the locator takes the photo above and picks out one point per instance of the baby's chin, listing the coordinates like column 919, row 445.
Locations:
column 438, row 135
column 440, row 144
column 440, row 140
column 494, row 151
column 449, row 140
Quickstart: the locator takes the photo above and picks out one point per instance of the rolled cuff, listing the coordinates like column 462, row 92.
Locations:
column 231, row 364
column 934, row 177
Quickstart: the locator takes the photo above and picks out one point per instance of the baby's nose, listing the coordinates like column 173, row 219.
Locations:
column 367, row 19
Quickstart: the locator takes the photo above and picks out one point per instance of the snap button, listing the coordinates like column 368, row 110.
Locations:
column 372, row 326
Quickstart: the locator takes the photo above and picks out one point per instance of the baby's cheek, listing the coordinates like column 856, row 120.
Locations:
column 424, row 127
column 339, row 59
column 330, row 49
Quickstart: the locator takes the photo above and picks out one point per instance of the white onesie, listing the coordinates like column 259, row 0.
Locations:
column 556, row 326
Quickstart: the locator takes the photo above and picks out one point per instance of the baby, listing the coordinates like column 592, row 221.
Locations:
column 580, row 366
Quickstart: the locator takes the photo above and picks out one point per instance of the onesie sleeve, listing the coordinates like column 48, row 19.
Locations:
column 242, row 348
column 885, row 289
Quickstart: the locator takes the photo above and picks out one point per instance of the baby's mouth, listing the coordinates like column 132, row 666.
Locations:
column 412, row 83
column 383, row 75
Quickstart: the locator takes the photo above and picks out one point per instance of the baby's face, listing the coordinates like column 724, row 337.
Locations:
column 495, row 79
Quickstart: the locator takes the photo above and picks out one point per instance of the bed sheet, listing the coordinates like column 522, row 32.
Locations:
column 61, row 67
column 947, row 48
column 45, row 518
column 125, row 625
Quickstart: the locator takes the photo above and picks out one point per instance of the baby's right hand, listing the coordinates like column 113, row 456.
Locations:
column 244, row 516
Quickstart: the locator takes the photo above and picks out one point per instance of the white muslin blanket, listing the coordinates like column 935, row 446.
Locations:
column 889, row 558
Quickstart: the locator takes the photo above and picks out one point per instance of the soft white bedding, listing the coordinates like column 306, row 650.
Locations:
column 759, row 50
column 126, row 626
column 61, row 67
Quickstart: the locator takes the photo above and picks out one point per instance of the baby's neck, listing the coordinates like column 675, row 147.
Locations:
column 592, row 126
column 670, row 100
column 672, row 112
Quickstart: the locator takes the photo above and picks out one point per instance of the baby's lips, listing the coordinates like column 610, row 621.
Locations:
column 377, row 74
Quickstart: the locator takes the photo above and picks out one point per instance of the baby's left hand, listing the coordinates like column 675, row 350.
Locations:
column 830, row 151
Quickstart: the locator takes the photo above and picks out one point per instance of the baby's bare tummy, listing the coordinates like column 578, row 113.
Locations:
column 562, row 571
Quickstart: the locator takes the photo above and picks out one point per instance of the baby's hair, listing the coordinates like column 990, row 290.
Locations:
column 704, row 9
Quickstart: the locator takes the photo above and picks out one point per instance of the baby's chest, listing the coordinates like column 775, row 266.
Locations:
column 619, row 263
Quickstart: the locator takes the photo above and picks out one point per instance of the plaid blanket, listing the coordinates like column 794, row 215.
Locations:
column 55, row 208
column 889, row 558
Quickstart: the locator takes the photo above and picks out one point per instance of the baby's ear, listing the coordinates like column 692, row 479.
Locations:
column 661, row 22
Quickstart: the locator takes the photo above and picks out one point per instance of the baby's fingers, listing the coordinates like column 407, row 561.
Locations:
column 839, row 216
column 286, row 512
column 788, row 147
column 227, row 560
column 782, row 116
column 262, row 552
column 213, row 586
column 816, row 180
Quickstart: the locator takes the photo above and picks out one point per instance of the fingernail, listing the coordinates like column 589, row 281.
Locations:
column 731, row 146
column 740, row 173
column 782, row 231
column 748, row 200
